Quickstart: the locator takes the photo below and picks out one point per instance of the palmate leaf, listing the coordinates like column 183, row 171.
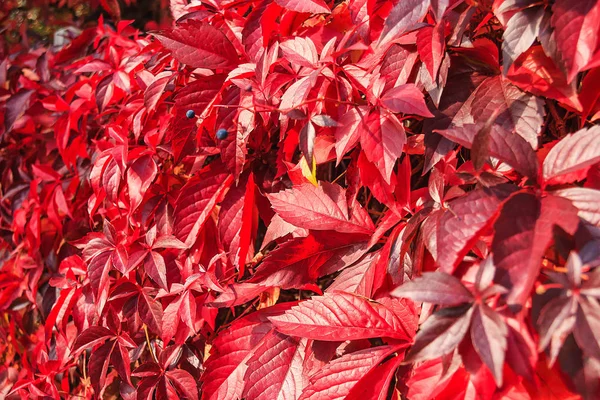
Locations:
column 576, row 310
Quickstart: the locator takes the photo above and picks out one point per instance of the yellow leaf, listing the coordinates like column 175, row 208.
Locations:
column 309, row 174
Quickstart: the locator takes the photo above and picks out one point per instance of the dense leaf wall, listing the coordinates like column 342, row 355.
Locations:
column 360, row 199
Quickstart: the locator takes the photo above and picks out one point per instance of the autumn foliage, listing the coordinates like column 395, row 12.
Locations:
column 303, row 199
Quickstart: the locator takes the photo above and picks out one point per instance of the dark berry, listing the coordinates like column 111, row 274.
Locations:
column 222, row 134
column 190, row 114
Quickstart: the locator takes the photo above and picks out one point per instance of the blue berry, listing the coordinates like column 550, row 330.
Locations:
column 222, row 134
column 190, row 114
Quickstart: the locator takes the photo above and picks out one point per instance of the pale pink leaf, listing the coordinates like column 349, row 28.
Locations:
column 586, row 200
column 574, row 152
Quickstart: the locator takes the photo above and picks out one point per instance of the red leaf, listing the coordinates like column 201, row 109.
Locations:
column 155, row 267
column 258, row 27
column 375, row 384
column 307, row 141
column 403, row 17
column 587, row 327
column 460, row 225
column 319, row 208
column 575, row 24
column 556, row 322
column 199, row 94
column 213, row 51
column 185, row 382
column 406, row 99
column 301, row 51
column 105, row 91
column 140, row 175
column 301, row 261
column 16, row 105
column 275, row 370
column 358, row 278
column 521, row 31
column 98, row 268
column 441, row 333
column 150, row 311
column 112, row 7
column 236, row 221
column 348, row 131
column 231, row 350
column 340, row 316
column 508, row 147
column 382, row 139
column 298, row 92
column 336, row 379
column 488, row 334
column 371, row 177
column 431, row 45
column 497, row 100
column 98, row 365
column 305, row 6
column 573, row 153
column 523, row 232
column 156, row 89
column 196, row 200
column 91, row 337
column 536, row 73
